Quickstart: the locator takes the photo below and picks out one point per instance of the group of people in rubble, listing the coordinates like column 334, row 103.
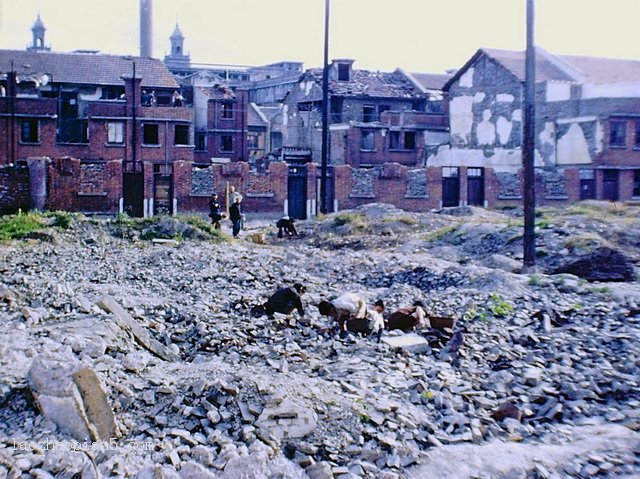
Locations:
column 285, row 224
column 350, row 311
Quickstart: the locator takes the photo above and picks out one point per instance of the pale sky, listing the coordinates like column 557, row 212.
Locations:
column 417, row 35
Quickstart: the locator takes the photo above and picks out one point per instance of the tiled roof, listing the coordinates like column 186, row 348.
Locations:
column 605, row 70
column 91, row 69
column 432, row 81
column 569, row 68
column 514, row 61
column 367, row 83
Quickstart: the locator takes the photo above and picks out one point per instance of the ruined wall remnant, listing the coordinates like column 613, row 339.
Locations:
column 202, row 181
column 362, row 181
column 508, row 186
column 417, row 184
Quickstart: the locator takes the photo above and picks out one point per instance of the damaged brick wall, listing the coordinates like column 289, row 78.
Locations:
column 14, row 189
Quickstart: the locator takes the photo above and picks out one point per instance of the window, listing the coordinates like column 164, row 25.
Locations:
column 637, row 141
column 253, row 139
column 618, row 133
column 201, row 141
column 409, row 140
column 369, row 113
column 227, row 110
column 336, row 109
column 368, row 140
column 181, row 135
column 226, row 143
column 636, row 182
column 343, row 72
column 382, row 109
column 29, row 131
column 450, row 172
column 150, row 134
column 115, row 132
column 394, row 140
column 276, row 140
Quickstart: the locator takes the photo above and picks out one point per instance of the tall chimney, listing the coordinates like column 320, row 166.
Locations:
column 146, row 28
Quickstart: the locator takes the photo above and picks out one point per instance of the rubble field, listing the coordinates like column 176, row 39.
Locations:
column 128, row 349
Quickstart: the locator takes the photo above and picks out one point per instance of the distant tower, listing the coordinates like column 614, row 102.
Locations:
column 146, row 28
column 177, row 58
column 38, row 30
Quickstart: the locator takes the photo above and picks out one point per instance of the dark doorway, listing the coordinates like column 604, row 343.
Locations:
column 329, row 190
column 450, row 186
column 475, row 186
column 134, row 194
column 162, row 195
column 610, row 185
column 297, row 192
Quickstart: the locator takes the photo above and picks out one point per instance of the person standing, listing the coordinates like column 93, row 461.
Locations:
column 235, row 215
column 214, row 211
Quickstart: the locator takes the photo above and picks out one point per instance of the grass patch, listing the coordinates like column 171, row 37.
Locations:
column 353, row 219
column 440, row 233
column 498, row 306
column 535, row 280
column 19, row 225
column 407, row 220
column 61, row 219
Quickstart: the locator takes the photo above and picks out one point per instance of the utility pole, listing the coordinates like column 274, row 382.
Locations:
column 528, row 150
column 325, row 113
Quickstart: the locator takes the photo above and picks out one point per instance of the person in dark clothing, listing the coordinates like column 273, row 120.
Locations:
column 285, row 225
column 214, row 211
column 235, row 215
column 283, row 301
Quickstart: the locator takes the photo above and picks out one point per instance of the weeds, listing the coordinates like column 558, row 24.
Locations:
column 19, row 225
column 353, row 219
column 440, row 233
column 498, row 306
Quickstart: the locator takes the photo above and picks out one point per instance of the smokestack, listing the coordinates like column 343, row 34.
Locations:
column 146, row 28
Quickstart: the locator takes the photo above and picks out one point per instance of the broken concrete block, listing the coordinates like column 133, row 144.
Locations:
column 287, row 420
column 126, row 321
column 72, row 397
column 96, row 405
column 408, row 342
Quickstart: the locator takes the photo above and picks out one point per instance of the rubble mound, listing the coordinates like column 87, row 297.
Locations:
column 602, row 264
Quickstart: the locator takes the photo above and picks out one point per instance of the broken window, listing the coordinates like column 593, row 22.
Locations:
column 226, row 143
column 115, row 132
column 201, row 141
column 409, row 140
column 618, row 133
column 343, row 72
column 369, row 113
column 368, row 140
column 394, row 140
column 336, row 109
column 276, row 140
column 29, row 131
column 637, row 142
column 181, row 135
column 636, row 183
column 450, row 172
column 382, row 109
column 150, row 134
column 227, row 110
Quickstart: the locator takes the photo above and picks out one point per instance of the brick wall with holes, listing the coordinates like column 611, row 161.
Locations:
column 14, row 189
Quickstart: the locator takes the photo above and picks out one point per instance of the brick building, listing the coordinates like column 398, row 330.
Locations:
column 103, row 126
column 587, row 129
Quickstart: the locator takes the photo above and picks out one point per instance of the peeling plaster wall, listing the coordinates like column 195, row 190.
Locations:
column 558, row 91
column 501, row 159
column 573, row 147
column 461, row 119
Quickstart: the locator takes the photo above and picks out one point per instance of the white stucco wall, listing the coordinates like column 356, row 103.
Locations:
column 478, row 97
column 461, row 117
column 486, row 130
column 505, row 160
column 505, row 98
column 504, row 128
column 547, row 137
column 573, row 148
column 466, row 79
column 615, row 90
column 558, row 91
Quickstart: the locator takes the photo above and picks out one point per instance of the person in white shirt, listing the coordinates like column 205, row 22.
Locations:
column 352, row 314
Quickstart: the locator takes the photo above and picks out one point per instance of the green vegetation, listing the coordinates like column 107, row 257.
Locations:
column 604, row 290
column 19, row 225
column 428, row 395
column 535, row 280
column 408, row 220
column 499, row 307
column 440, row 233
column 176, row 227
column 355, row 220
column 61, row 219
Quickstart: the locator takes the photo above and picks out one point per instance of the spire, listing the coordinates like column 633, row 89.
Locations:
column 38, row 30
column 177, row 33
